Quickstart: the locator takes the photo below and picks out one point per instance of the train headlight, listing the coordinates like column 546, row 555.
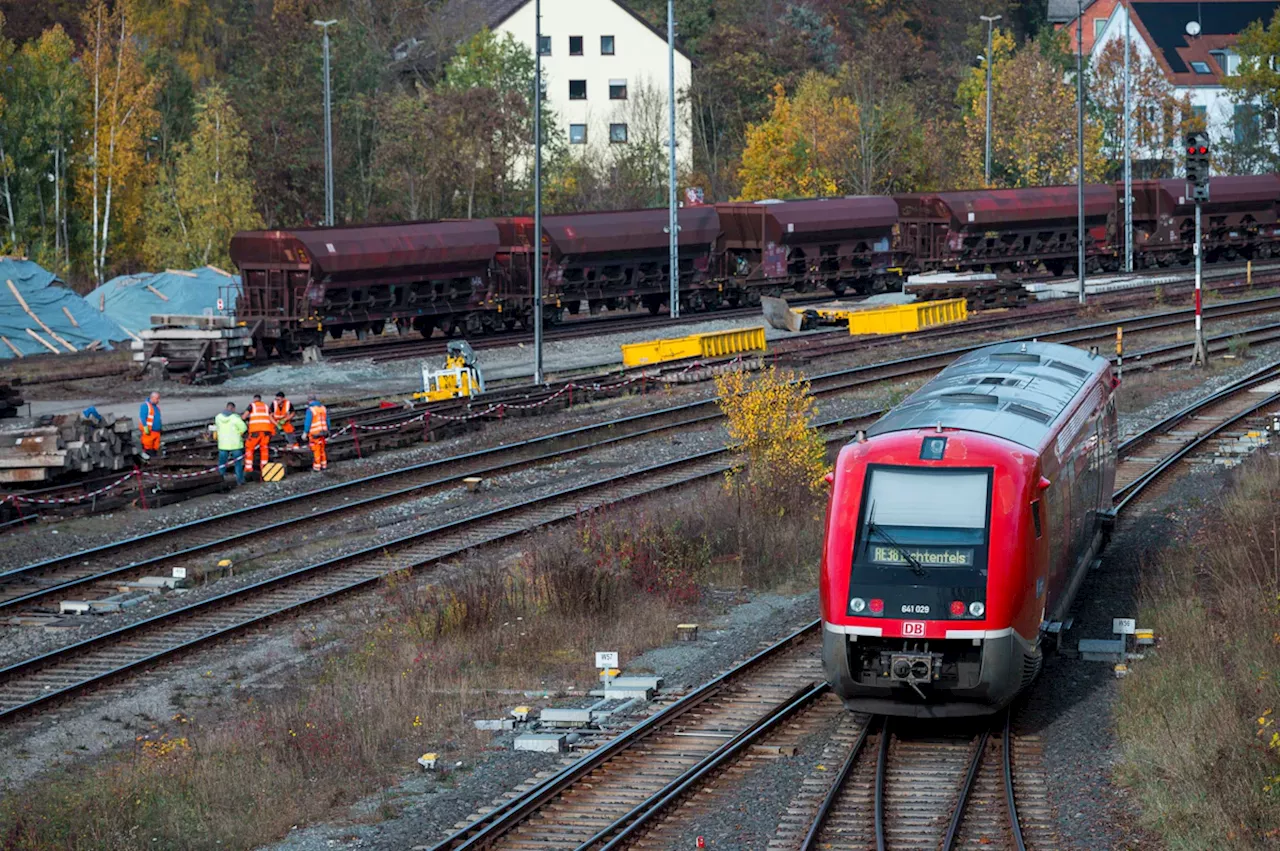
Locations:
column 977, row 609
column 857, row 604
column 957, row 608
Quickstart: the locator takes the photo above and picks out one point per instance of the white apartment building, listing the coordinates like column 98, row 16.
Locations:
column 604, row 68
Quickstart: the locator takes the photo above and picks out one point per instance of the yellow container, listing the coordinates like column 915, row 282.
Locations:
column 905, row 318
column 710, row 345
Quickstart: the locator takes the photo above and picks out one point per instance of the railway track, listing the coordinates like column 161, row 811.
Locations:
column 895, row 789
column 42, row 584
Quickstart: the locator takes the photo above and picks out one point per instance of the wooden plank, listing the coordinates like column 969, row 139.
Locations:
column 22, row 301
column 70, row 318
column 42, row 341
column 182, row 272
column 162, row 296
column 16, row 351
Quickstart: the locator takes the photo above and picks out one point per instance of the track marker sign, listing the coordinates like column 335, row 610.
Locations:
column 1124, row 626
column 606, row 659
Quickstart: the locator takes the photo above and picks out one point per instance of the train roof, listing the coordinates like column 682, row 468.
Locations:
column 1003, row 206
column 445, row 246
column 807, row 221
column 1169, row 196
column 1015, row 391
column 624, row 231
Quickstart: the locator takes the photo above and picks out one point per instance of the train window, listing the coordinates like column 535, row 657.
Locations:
column 928, row 498
column 1035, row 516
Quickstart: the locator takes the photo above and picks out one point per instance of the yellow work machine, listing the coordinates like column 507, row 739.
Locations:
column 460, row 376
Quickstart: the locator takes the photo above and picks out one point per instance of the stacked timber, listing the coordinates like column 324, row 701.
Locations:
column 980, row 290
column 65, row 444
column 10, row 399
column 192, row 343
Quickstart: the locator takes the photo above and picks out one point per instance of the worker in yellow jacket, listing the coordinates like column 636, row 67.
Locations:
column 230, row 428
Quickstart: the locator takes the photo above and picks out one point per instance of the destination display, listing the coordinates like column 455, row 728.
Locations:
column 927, row 556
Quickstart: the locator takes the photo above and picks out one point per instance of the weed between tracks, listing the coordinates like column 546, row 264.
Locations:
column 1197, row 720
column 407, row 676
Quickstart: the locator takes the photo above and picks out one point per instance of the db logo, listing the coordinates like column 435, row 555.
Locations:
column 913, row 628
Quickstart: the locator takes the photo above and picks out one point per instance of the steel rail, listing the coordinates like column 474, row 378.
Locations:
column 1015, row 827
column 810, row 841
column 491, row 825
column 966, row 789
column 882, row 770
column 630, row 824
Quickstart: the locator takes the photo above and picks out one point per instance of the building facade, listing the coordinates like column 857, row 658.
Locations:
column 605, row 73
column 1191, row 42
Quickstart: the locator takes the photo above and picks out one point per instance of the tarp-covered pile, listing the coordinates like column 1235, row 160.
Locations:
column 131, row 300
column 37, row 316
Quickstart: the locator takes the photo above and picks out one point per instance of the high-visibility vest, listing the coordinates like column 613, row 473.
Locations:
column 260, row 418
column 151, row 415
column 282, row 410
column 319, row 420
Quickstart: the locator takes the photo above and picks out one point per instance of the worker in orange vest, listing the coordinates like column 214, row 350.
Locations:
column 149, row 424
column 282, row 415
column 316, row 427
column 261, row 427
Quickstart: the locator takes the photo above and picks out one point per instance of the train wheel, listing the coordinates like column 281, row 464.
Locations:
column 573, row 307
column 838, row 290
column 335, row 333
column 653, row 303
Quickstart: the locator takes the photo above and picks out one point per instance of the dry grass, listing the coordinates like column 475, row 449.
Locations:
column 411, row 680
column 1139, row 390
column 1196, row 720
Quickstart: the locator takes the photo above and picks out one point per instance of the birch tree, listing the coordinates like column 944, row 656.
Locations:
column 7, row 169
column 195, row 208
column 121, row 115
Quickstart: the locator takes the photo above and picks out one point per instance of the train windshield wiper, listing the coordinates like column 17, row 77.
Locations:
column 916, row 567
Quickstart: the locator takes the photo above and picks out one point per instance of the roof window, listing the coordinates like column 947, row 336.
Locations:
column 1200, row 67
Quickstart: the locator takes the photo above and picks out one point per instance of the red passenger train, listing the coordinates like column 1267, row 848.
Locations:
column 961, row 526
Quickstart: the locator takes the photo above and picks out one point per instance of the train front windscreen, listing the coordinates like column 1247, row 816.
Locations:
column 922, row 542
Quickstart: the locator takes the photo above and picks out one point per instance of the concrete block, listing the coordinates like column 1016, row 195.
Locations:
column 623, row 693
column 495, row 724
column 1101, row 649
column 566, row 717
column 651, row 683
column 686, row 632
column 540, row 742
column 157, row 582
column 74, row 607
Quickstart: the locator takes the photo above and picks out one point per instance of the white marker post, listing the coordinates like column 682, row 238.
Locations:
column 607, row 660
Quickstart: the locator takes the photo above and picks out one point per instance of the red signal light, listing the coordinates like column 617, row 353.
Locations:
column 957, row 608
column 1203, row 149
column 876, row 606
column 1191, row 150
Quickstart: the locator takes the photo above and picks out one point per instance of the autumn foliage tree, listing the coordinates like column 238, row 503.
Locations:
column 1033, row 139
column 121, row 115
column 1158, row 117
column 195, row 207
column 1256, row 86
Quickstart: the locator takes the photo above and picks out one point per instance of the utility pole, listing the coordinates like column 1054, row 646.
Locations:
column 537, row 192
column 328, row 129
column 1080, row 143
column 990, row 19
column 1128, row 162
column 673, row 223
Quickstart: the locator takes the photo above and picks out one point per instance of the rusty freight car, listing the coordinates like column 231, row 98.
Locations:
column 1008, row 229
column 297, row 284
column 840, row 243
column 1238, row 220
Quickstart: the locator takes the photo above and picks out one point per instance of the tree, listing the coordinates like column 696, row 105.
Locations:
column 48, row 99
column 888, row 151
column 7, row 168
column 121, row 115
column 798, row 151
column 1256, row 90
column 195, row 208
column 1158, row 117
column 1033, row 121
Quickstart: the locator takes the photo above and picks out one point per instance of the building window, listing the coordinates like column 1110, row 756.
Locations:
column 577, row 134
column 1201, row 67
column 617, row 134
column 1099, row 24
column 617, row 90
column 1199, row 112
column 577, row 90
column 1245, row 123
column 575, row 45
column 606, row 45
column 544, row 45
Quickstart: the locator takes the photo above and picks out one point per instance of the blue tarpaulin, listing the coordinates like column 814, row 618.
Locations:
column 41, row 291
column 131, row 300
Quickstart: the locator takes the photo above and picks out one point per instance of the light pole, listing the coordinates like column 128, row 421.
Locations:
column 537, row 192
column 991, row 20
column 1080, row 143
column 673, row 224
column 1128, row 166
column 328, row 129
